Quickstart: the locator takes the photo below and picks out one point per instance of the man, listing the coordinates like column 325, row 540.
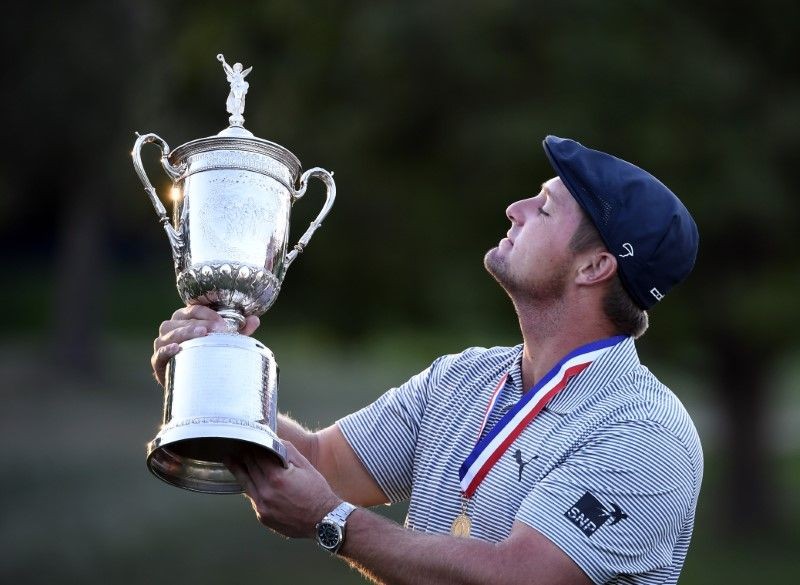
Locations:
column 563, row 459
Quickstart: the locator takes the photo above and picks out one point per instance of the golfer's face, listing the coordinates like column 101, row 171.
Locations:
column 541, row 228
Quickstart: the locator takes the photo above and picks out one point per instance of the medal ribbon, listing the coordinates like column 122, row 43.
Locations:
column 492, row 400
column 487, row 451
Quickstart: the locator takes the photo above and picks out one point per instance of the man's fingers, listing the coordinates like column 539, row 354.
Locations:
column 173, row 324
column 240, row 473
column 200, row 315
column 189, row 331
column 160, row 359
column 189, row 323
column 166, row 346
column 250, row 325
column 200, row 312
column 294, row 456
column 208, row 318
column 253, row 467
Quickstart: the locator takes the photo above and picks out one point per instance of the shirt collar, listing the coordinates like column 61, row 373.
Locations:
column 589, row 381
column 514, row 381
column 616, row 362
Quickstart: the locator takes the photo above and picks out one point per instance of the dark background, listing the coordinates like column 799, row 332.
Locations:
column 431, row 114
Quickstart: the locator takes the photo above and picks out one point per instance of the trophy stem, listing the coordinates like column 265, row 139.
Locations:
column 233, row 319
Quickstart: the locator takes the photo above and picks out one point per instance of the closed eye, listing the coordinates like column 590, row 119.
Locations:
column 543, row 212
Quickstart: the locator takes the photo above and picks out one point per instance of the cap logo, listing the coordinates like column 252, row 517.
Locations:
column 628, row 249
column 656, row 293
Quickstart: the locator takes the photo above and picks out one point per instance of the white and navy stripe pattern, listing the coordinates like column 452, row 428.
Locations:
column 615, row 432
column 500, row 437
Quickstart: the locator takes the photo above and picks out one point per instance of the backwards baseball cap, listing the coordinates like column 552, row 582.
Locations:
column 641, row 221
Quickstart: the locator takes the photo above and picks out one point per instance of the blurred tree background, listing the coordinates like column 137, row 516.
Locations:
column 431, row 114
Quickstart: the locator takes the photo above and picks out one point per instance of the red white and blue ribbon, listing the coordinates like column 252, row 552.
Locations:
column 492, row 400
column 490, row 448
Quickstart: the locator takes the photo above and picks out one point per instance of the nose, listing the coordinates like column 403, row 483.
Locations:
column 516, row 211
column 513, row 212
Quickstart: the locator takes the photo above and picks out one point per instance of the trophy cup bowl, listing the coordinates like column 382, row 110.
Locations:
column 233, row 195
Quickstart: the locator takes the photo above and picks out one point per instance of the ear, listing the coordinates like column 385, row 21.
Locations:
column 595, row 267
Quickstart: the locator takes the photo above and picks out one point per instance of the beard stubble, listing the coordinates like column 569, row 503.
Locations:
column 545, row 289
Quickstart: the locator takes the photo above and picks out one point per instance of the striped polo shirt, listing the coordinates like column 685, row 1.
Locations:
column 609, row 470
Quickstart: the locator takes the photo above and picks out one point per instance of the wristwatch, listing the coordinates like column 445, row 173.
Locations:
column 330, row 530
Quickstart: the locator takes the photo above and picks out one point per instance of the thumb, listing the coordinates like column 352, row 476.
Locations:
column 250, row 325
column 295, row 457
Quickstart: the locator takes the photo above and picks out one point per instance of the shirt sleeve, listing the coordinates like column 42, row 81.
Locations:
column 618, row 504
column 384, row 433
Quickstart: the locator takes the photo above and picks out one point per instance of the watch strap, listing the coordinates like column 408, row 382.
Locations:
column 340, row 513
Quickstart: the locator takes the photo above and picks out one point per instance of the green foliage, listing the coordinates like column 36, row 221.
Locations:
column 431, row 114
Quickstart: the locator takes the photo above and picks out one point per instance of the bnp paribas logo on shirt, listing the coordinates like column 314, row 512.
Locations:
column 589, row 514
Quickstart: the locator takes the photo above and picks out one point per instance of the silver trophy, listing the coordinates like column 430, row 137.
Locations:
column 232, row 196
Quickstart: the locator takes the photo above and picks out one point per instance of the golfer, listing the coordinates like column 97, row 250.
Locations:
column 561, row 460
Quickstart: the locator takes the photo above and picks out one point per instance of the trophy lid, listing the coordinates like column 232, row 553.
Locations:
column 236, row 136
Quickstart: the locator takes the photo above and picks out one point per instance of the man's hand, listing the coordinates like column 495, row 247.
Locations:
column 327, row 449
column 290, row 501
column 188, row 323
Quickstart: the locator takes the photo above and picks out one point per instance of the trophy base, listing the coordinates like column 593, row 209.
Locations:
column 196, row 464
column 220, row 400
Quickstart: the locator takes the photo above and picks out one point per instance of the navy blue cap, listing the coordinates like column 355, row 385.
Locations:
column 640, row 220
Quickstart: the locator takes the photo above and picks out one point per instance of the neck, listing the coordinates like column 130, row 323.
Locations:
column 551, row 330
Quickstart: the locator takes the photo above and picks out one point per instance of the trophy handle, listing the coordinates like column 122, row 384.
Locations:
column 330, row 196
column 174, row 236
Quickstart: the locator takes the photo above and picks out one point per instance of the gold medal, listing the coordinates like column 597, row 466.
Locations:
column 461, row 526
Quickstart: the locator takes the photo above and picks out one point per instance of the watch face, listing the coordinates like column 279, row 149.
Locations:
column 328, row 534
